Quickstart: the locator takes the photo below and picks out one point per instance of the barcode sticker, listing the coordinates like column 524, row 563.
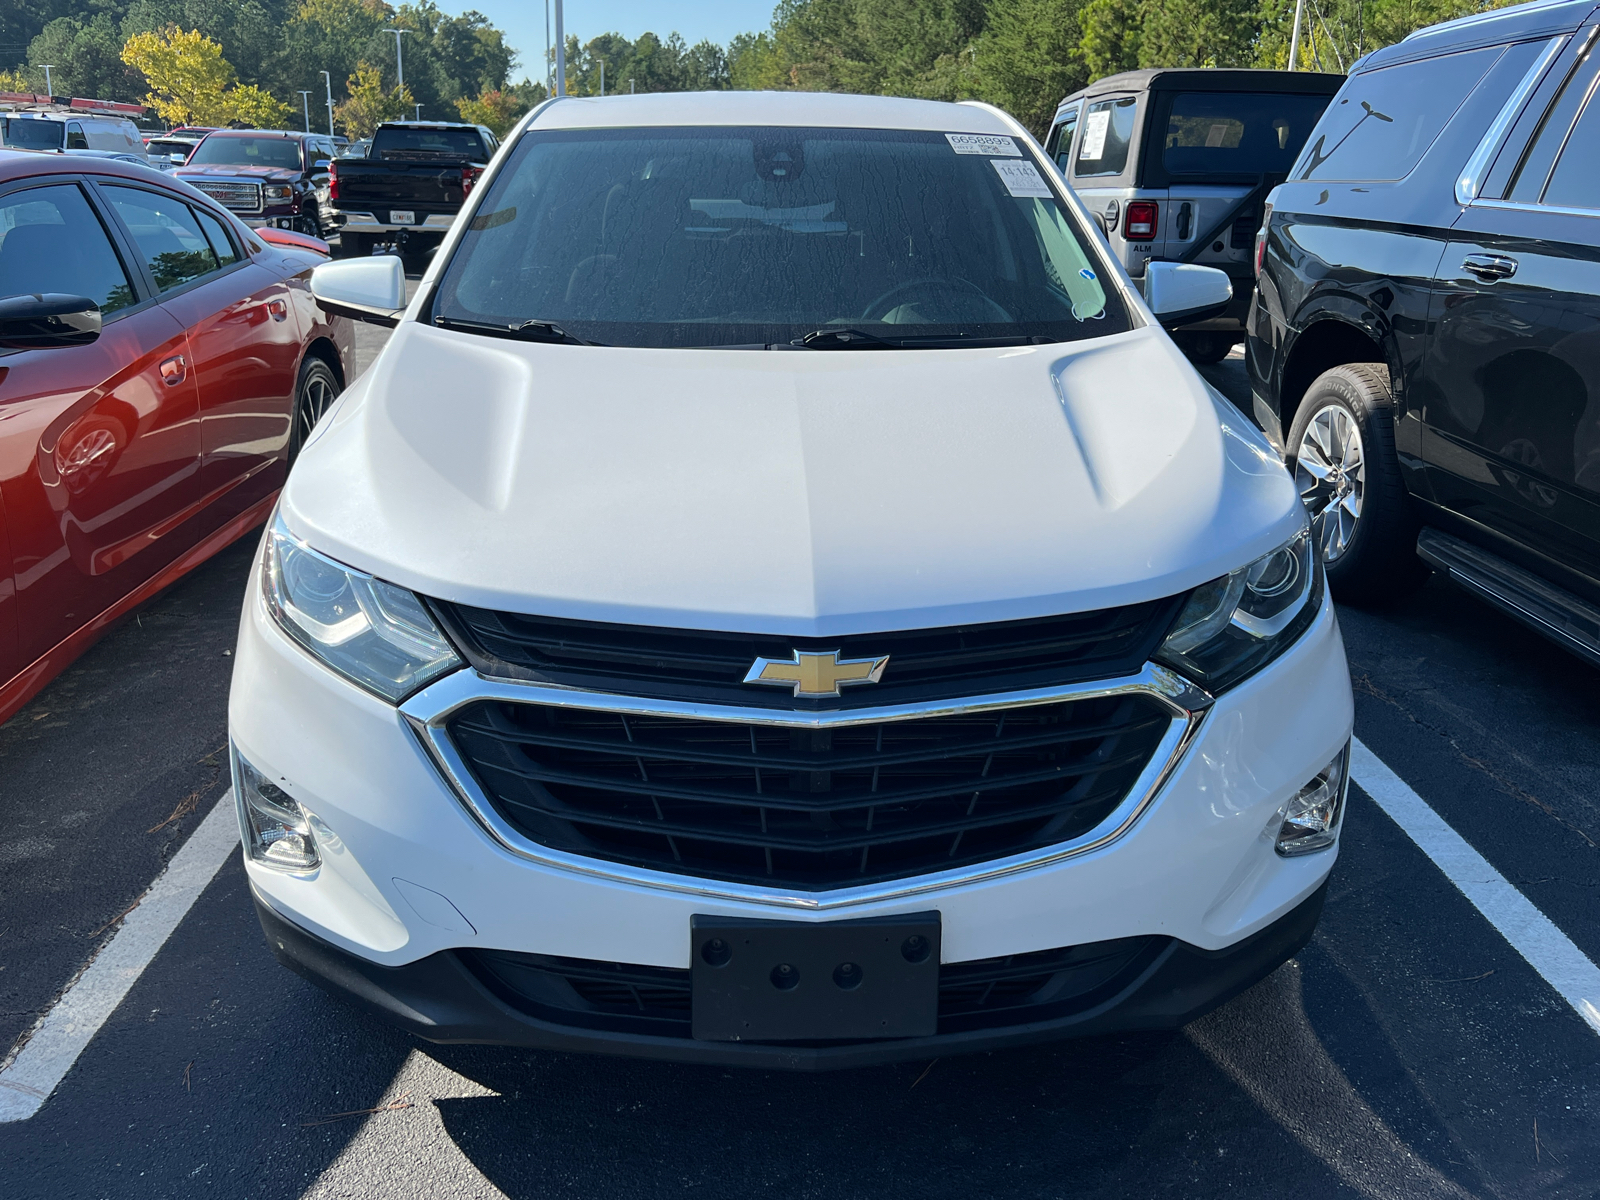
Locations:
column 982, row 143
column 1020, row 176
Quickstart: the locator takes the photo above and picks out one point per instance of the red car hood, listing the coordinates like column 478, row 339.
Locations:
column 227, row 171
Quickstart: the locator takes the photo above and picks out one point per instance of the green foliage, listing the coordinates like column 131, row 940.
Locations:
column 1029, row 58
column 85, row 59
column 1111, row 33
column 646, row 65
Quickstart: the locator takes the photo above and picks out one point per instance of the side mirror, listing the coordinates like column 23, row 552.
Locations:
column 369, row 289
column 321, row 164
column 44, row 321
column 180, row 159
column 1182, row 293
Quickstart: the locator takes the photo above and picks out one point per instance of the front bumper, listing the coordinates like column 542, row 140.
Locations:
column 443, row 999
column 412, row 883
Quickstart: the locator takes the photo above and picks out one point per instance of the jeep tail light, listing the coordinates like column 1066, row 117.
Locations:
column 1261, row 239
column 1139, row 220
column 469, row 176
column 333, row 180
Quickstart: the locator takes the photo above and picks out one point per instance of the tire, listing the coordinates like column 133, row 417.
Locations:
column 314, row 393
column 1203, row 349
column 1341, row 451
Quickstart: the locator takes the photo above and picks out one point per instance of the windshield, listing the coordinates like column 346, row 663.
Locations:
column 31, row 133
column 1238, row 133
column 732, row 236
column 427, row 143
column 232, row 151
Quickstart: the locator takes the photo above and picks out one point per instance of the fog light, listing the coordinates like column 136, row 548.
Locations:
column 1311, row 822
column 276, row 830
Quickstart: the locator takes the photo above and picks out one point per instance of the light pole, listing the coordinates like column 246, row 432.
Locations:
column 47, row 67
column 630, row 85
column 548, row 68
column 305, row 107
column 419, row 112
column 561, row 54
column 602, row 77
column 1294, row 38
column 328, row 82
column 399, row 59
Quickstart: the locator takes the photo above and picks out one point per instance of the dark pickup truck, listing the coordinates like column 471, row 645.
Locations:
column 407, row 191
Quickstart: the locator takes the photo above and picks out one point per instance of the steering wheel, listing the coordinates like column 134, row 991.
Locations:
column 930, row 286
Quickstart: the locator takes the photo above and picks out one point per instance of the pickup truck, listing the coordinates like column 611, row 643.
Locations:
column 406, row 192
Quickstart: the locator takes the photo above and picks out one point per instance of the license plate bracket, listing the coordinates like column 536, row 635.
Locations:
column 876, row 977
column 402, row 216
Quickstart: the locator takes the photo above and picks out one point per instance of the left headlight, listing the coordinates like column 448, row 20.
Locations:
column 1237, row 624
column 277, row 191
column 373, row 633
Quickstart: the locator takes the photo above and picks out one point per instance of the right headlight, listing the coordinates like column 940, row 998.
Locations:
column 373, row 633
column 1235, row 625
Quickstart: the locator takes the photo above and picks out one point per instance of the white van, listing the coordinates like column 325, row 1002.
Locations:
column 69, row 131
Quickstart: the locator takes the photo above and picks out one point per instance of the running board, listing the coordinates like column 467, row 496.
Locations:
column 1567, row 620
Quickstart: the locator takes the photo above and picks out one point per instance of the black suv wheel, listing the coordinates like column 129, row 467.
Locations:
column 1341, row 450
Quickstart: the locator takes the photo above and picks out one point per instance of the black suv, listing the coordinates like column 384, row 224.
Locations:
column 1426, row 323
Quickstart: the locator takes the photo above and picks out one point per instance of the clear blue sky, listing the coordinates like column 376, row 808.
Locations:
column 523, row 21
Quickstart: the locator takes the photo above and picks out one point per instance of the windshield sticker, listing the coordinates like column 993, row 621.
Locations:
column 1084, row 271
column 1021, row 177
column 982, row 143
column 1094, row 134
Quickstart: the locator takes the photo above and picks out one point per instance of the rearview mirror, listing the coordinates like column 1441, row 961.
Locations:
column 50, row 319
column 368, row 289
column 1182, row 293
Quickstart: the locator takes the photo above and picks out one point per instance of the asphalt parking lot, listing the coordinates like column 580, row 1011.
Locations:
column 1409, row 1051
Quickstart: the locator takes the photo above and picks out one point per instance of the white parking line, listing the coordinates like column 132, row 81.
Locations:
column 1531, row 934
column 76, row 1017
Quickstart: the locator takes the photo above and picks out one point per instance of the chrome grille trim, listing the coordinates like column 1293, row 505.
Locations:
column 427, row 712
column 235, row 197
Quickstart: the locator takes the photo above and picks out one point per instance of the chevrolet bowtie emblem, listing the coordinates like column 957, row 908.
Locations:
column 816, row 674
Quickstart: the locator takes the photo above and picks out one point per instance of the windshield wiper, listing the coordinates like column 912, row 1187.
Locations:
column 843, row 339
column 526, row 331
column 858, row 339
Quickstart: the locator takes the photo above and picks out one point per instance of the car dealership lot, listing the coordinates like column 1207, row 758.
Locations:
column 1408, row 1051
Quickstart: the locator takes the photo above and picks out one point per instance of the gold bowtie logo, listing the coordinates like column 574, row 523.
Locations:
column 816, row 674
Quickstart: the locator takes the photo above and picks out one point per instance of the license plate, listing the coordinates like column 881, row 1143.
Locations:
column 776, row 981
column 402, row 216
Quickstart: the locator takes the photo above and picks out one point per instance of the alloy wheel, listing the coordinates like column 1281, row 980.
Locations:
column 1331, row 472
column 315, row 398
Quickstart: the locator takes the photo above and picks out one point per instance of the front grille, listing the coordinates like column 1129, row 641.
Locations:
column 985, row 994
column 239, row 197
column 689, row 664
column 807, row 808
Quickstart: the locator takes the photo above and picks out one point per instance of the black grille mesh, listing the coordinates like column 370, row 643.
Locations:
column 985, row 994
column 693, row 664
column 807, row 808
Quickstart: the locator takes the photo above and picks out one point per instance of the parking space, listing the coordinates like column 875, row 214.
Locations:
column 1408, row 1051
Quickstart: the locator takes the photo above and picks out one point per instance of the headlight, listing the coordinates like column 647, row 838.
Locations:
column 1237, row 624
column 371, row 632
column 277, row 191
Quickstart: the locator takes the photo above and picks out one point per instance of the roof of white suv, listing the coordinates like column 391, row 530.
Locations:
column 809, row 109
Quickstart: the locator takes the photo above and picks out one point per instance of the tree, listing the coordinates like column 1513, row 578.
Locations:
column 191, row 83
column 1199, row 33
column 1028, row 59
column 1111, row 30
column 85, row 59
column 370, row 104
column 14, row 81
column 499, row 110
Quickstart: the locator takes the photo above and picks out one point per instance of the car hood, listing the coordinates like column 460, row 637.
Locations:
column 808, row 493
column 229, row 171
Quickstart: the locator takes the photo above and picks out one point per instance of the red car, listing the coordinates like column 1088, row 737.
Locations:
column 160, row 366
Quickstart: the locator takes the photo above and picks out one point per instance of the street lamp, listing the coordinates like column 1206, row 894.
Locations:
column 328, row 82
column 1294, row 38
column 561, row 54
column 602, row 77
column 419, row 112
column 305, row 107
column 399, row 59
column 47, row 67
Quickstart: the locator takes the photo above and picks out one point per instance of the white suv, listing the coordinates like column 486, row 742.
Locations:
column 780, row 598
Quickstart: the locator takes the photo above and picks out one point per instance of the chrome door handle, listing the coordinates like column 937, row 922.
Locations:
column 1490, row 267
column 174, row 370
